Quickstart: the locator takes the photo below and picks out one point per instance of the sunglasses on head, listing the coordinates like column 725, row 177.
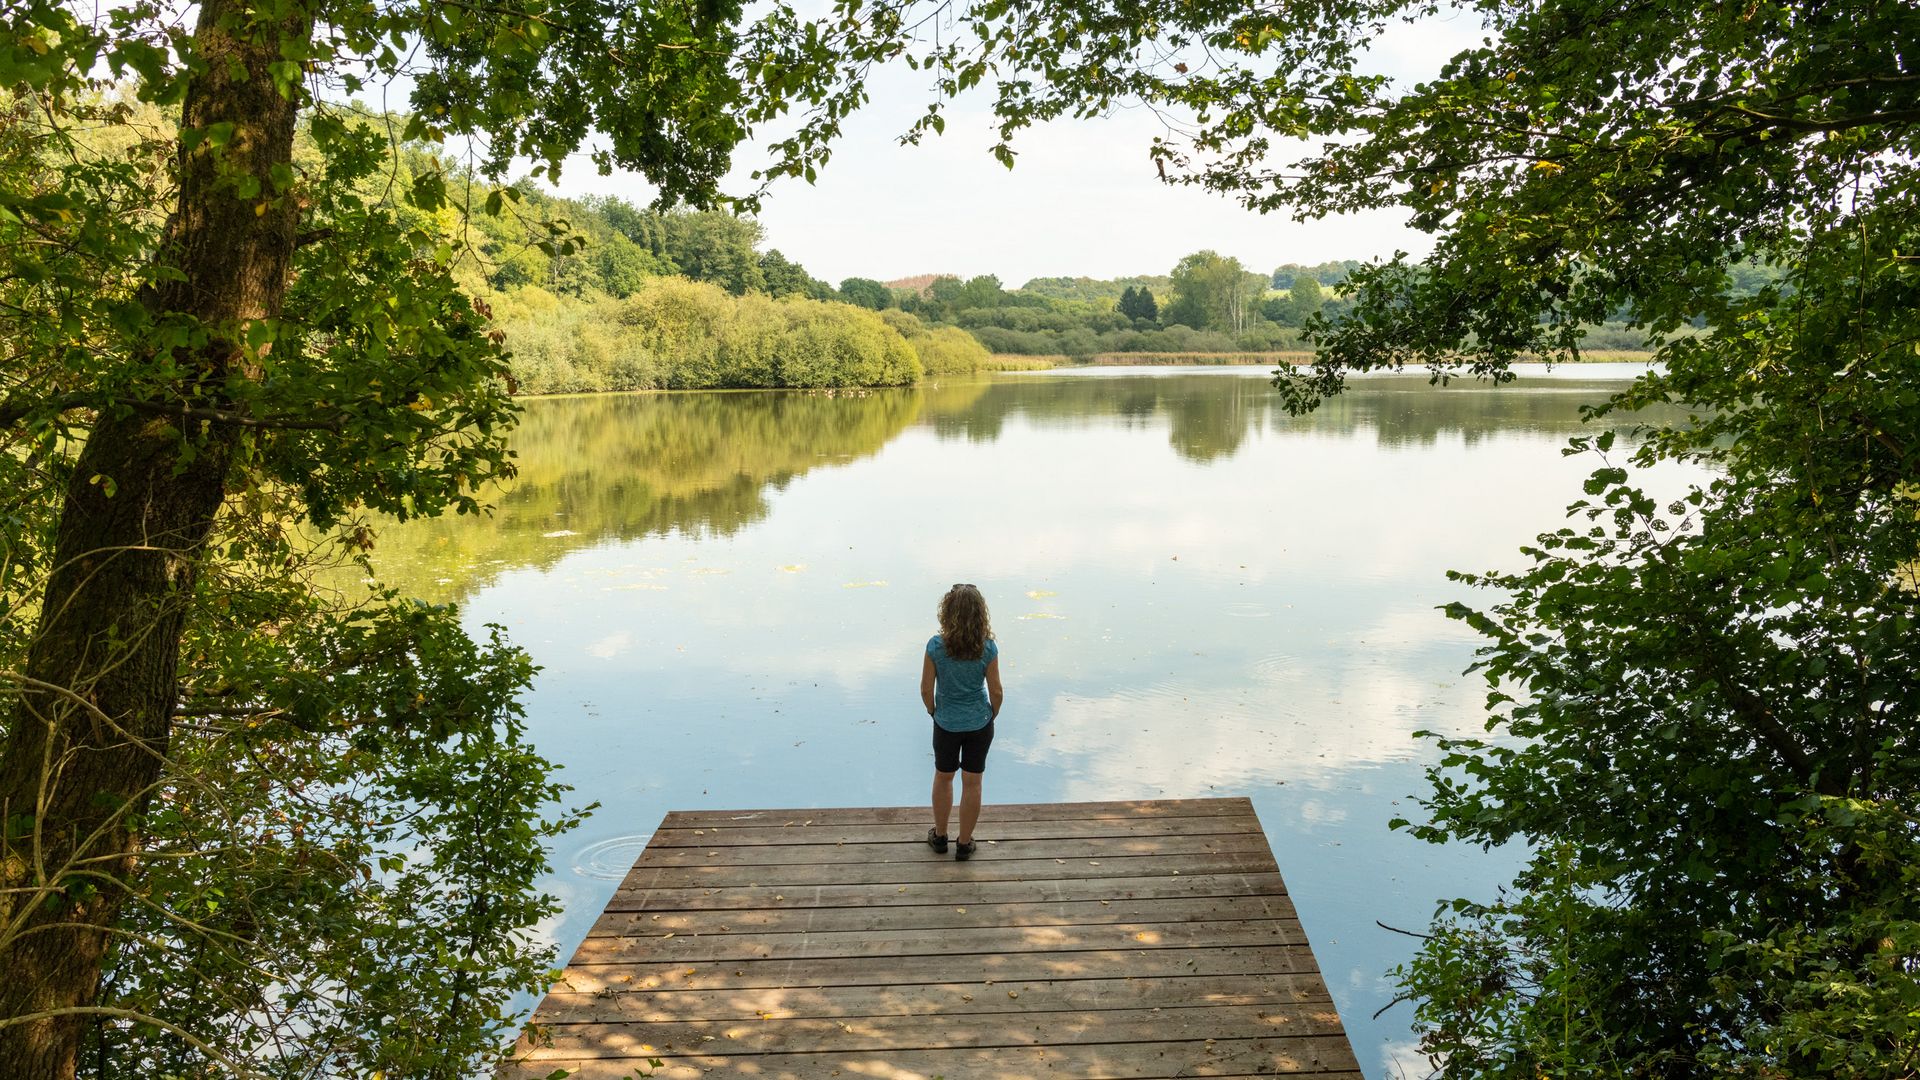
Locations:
column 963, row 585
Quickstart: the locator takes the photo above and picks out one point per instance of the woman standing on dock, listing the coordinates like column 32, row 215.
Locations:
column 960, row 686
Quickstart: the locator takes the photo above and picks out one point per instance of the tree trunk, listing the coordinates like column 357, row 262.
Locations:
column 86, row 746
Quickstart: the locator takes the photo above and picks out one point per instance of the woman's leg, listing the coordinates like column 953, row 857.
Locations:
column 969, row 803
column 943, row 802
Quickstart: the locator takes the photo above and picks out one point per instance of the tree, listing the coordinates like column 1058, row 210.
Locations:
column 718, row 247
column 623, row 266
column 1326, row 273
column 1214, row 293
column 645, row 229
column 983, row 291
column 867, row 293
column 783, row 277
column 1138, row 304
column 1304, row 300
column 1702, row 708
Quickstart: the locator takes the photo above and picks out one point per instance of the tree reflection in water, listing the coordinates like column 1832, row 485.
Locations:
column 621, row 467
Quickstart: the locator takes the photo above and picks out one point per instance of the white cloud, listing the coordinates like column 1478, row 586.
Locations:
column 610, row 646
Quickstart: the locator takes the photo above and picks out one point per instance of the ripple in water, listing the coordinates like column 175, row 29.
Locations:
column 609, row 860
column 1247, row 609
column 1280, row 666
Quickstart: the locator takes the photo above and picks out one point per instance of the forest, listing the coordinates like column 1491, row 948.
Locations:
column 583, row 288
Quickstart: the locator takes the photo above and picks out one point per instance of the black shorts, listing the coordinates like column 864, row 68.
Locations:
column 961, row 749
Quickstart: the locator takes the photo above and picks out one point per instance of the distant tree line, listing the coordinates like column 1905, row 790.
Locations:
column 598, row 294
column 580, row 252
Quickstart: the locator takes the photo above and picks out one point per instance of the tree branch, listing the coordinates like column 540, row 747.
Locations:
column 193, row 1040
column 280, row 421
column 1815, row 125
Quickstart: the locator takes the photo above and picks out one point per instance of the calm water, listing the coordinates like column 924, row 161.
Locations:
column 1194, row 593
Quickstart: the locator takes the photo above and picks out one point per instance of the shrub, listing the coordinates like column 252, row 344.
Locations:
column 672, row 333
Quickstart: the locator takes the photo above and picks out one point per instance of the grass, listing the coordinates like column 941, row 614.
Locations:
column 1024, row 362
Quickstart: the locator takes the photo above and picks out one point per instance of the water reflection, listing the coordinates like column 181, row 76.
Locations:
column 1212, row 414
column 1195, row 595
column 620, row 467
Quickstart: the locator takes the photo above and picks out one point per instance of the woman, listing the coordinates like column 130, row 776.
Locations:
column 960, row 686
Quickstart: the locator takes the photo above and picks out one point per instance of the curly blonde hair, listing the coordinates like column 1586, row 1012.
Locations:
column 965, row 627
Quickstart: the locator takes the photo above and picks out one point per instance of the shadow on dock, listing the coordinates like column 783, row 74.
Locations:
column 1085, row 940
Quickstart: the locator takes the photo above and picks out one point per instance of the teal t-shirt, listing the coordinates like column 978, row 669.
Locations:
column 960, row 687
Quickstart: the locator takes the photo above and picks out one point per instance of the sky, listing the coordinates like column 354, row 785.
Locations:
column 1083, row 199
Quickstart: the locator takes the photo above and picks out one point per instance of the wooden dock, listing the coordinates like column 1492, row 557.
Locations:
column 1084, row 940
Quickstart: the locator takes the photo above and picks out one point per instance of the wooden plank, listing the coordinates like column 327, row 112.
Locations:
column 1118, row 940
column 1312, row 1055
column 938, row 869
column 883, row 815
column 960, row 893
column 868, row 1034
column 914, row 849
column 970, row 939
column 1002, row 968
column 925, row 999
column 940, row 916
column 988, row 830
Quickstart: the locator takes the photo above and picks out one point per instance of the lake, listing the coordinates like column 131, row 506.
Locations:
column 1194, row 594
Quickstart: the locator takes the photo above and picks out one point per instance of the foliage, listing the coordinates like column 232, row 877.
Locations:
column 270, row 918
column 1303, row 301
column 1081, row 317
column 866, row 292
column 1326, row 273
column 719, row 248
column 696, row 464
column 1138, row 305
column 783, row 277
column 1214, row 293
column 378, row 860
column 1702, row 709
column 674, row 334
column 611, row 246
column 1093, row 290
column 943, row 350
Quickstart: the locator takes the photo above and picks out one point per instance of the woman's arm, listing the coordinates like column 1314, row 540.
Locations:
column 994, row 694
column 926, row 684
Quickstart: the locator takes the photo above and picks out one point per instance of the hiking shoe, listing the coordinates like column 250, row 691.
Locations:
column 962, row 852
column 939, row 843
